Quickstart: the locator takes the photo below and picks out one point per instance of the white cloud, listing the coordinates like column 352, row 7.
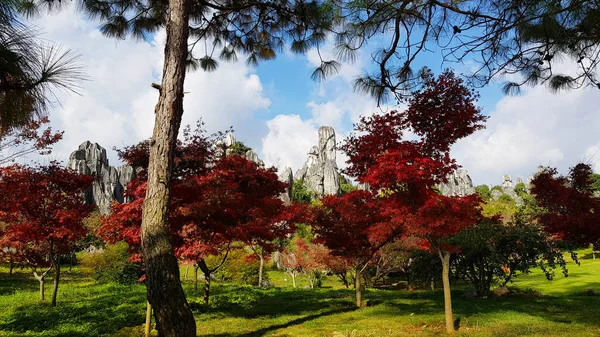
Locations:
column 537, row 128
column 116, row 107
column 288, row 141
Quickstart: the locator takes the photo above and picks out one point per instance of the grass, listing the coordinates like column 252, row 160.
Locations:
column 87, row 308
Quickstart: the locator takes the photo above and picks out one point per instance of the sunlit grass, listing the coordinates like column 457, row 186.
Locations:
column 87, row 308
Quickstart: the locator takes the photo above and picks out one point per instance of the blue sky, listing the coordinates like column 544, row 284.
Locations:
column 276, row 108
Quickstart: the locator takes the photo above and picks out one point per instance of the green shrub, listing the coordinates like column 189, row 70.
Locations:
column 112, row 264
column 240, row 267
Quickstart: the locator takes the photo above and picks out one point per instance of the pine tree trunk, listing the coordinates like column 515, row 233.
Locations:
column 165, row 294
column 358, row 288
column 206, row 287
column 148, row 326
column 445, row 257
column 261, row 267
column 56, row 280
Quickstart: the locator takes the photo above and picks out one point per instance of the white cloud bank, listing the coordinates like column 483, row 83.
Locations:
column 537, row 128
column 116, row 106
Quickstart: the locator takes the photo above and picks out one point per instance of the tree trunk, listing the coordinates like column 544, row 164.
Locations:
column 171, row 309
column 41, row 279
column 187, row 266
column 293, row 279
column 206, row 287
column 196, row 277
column 148, row 326
column 358, row 288
column 261, row 267
column 11, row 266
column 56, row 280
column 445, row 257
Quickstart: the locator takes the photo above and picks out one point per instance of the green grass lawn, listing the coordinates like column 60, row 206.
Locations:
column 87, row 308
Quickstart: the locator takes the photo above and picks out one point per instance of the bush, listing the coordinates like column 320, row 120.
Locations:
column 241, row 268
column 112, row 264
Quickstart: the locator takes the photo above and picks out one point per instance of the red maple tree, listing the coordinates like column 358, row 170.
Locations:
column 44, row 209
column 346, row 226
column 571, row 211
column 404, row 172
column 30, row 138
column 215, row 202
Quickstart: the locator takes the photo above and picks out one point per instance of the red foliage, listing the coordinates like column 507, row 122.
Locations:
column 350, row 225
column 404, row 172
column 215, row 201
column 44, row 208
column 30, row 138
column 571, row 210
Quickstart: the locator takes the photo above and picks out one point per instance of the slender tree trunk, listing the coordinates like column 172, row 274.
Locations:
column 206, row 287
column 196, row 277
column 358, row 288
column 445, row 257
column 261, row 267
column 71, row 261
column 11, row 266
column 148, row 326
column 187, row 266
column 165, row 293
column 41, row 279
column 56, row 280
column 293, row 274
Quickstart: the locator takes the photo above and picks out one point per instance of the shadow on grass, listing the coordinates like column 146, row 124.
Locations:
column 297, row 321
column 250, row 302
column 83, row 310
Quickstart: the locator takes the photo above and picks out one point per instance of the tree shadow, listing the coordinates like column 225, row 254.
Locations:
column 297, row 321
column 251, row 302
column 101, row 312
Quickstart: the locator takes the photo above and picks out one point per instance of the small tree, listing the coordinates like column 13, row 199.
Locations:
column 495, row 253
column 352, row 227
column 570, row 209
column 405, row 172
column 45, row 210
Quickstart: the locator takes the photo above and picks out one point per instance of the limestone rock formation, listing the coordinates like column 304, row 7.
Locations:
column 459, row 184
column 109, row 182
column 287, row 177
column 320, row 173
column 253, row 157
column 509, row 189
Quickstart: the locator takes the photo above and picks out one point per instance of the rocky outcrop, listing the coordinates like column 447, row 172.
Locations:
column 287, row 177
column 109, row 182
column 253, row 157
column 509, row 189
column 320, row 173
column 459, row 184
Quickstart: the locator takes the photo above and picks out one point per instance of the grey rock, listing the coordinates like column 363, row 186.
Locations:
column 508, row 189
column 229, row 139
column 320, row 173
column 459, row 184
column 507, row 182
column 253, row 157
column 109, row 182
column 496, row 194
column 363, row 187
column 287, row 177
